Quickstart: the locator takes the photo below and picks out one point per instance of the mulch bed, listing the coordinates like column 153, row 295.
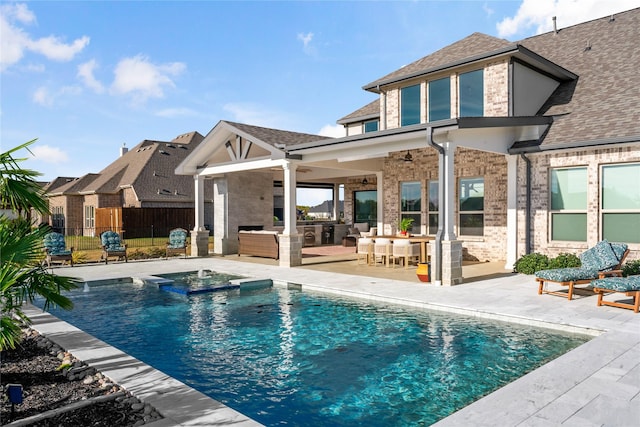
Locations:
column 36, row 365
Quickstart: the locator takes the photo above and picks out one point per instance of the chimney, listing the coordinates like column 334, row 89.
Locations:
column 555, row 27
column 123, row 149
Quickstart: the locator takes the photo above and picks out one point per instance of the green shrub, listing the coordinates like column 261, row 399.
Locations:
column 530, row 263
column 565, row 260
column 631, row 268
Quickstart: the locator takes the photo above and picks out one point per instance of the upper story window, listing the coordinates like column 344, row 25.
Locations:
column 440, row 99
column 621, row 202
column 472, row 94
column 568, row 190
column 410, row 105
column 371, row 126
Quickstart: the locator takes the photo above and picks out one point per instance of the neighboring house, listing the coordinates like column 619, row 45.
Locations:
column 135, row 192
column 325, row 210
column 493, row 147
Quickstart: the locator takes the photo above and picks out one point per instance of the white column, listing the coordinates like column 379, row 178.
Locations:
column 290, row 212
column 449, row 189
column 380, row 204
column 198, row 182
column 336, row 202
column 512, row 212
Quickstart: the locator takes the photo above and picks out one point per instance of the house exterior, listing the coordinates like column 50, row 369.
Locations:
column 136, row 191
column 495, row 148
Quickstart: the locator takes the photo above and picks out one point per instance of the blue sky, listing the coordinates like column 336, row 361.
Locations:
column 86, row 77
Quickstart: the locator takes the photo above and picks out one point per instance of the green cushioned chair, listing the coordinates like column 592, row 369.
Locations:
column 55, row 249
column 112, row 246
column 630, row 286
column 177, row 243
column 602, row 260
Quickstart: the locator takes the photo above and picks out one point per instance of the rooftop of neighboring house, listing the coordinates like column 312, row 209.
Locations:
column 148, row 168
column 600, row 105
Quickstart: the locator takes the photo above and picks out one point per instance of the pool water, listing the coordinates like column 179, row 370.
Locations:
column 288, row 357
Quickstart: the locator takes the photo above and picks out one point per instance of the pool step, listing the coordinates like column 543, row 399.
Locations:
column 187, row 291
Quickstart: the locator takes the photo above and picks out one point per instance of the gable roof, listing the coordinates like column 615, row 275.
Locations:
column 147, row 168
column 275, row 137
column 369, row 111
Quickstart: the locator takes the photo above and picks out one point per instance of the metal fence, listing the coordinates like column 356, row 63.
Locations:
column 89, row 239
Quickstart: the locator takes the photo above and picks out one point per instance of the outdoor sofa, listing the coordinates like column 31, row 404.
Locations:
column 261, row 243
column 602, row 260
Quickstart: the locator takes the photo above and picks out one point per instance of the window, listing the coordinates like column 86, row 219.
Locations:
column 89, row 217
column 471, row 209
column 57, row 219
column 371, row 126
column 365, row 206
column 410, row 105
column 439, row 99
column 568, row 204
column 472, row 94
column 411, row 202
column 621, row 203
column 434, row 207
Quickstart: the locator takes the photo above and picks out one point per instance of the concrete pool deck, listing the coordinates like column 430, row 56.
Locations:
column 594, row 385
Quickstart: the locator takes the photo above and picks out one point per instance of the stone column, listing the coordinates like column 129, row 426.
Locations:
column 451, row 262
column 221, row 216
column 199, row 235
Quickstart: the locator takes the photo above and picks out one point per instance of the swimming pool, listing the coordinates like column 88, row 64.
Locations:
column 284, row 356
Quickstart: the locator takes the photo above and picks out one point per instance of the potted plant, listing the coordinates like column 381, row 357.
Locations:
column 404, row 225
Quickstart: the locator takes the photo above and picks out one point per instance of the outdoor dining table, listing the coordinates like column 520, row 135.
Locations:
column 423, row 240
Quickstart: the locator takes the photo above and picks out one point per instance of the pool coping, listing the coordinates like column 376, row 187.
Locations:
column 597, row 383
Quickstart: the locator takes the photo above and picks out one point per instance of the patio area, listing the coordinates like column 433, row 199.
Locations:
column 596, row 384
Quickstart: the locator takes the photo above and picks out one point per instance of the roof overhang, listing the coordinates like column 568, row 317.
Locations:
column 516, row 51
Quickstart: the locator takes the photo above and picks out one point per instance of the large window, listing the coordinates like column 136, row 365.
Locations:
column 434, row 207
column 410, row 105
column 371, row 126
column 568, row 190
column 365, row 206
column 440, row 99
column 411, row 202
column 472, row 94
column 621, row 203
column 471, row 208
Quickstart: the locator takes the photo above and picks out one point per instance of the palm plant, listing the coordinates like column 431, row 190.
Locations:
column 22, row 275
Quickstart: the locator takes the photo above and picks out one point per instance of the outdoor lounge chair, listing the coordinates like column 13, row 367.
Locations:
column 602, row 260
column 177, row 243
column 55, row 249
column 630, row 286
column 112, row 246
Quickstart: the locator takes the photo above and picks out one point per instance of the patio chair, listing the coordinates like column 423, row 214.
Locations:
column 630, row 286
column 406, row 251
column 602, row 260
column 365, row 249
column 177, row 243
column 55, row 249
column 112, row 246
column 382, row 249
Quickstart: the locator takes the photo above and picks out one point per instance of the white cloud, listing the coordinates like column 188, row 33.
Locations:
column 49, row 154
column 538, row 14
column 85, row 73
column 142, row 79
column 43, row 97
column 487, row 9
column 15, row 40
column 307, row 47
column 333, row 131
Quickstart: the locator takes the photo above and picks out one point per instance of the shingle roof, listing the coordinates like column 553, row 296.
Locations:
column 370, row 110
column 602, row 104
column 470, row 46
column 276, row 136
column 148, row 168
column 605, row 100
